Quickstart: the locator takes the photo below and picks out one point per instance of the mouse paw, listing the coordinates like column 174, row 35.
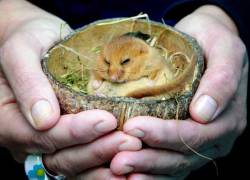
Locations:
column 96, row 84
column 151, row 83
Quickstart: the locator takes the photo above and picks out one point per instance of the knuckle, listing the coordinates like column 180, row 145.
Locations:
column 239, row 124
column 226, row 81
column 240, row 50
column 81, row 136
column 240, row 121
column 191, row 139
column 7, row 49
column 181, row 167
column 43, row 143
column 30, row 83
column 243, row 47
column 99, row 155
column 242, row 126
column 222, row 150
column 61, row 165
column 239, row 45
column 29, row 79
column 155, row 140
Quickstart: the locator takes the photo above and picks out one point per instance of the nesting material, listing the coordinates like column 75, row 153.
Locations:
column 69, row 63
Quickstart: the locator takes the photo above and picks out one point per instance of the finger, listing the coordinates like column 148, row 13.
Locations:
column 30, row 85
column 138, row 176
column 20, row 60
column 71, row 129
column 220, row 80
column 80, row 128
column 159, row 162
column 224, row 53
column 6, row 96
column 98, row 174
column 178, row 135
column 181, row 135
column 72, row 161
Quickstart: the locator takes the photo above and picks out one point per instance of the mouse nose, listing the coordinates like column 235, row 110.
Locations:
column 114, row 78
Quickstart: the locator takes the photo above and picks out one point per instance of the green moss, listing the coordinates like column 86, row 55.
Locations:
column 77, row 80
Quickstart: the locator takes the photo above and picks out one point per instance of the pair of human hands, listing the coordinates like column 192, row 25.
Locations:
column 80, row 145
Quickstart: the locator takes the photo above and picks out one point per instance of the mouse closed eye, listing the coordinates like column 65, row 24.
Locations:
column 126, row 59
column 106, row 61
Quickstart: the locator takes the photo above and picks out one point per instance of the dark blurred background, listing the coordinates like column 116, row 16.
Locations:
column 233, row 166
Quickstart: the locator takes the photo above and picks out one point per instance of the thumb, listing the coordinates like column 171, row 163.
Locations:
column 20, row 60
column 220, row 80
column 224, row 53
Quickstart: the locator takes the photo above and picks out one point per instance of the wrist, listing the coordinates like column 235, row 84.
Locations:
column 219, row 14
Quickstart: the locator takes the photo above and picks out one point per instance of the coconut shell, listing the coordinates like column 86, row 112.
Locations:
column 73, row 54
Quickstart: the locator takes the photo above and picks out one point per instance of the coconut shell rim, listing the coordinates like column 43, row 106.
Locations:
column 194, row 45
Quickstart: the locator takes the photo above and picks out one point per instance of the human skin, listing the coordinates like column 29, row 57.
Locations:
column 26, row 33
column 214, row 139
column 214, row 124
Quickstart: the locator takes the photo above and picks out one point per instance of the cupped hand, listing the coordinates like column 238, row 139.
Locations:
column 78, row 142
column 218, row 109
column 68, row 140
column 27, row 35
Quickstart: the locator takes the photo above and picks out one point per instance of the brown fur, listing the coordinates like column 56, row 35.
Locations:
column 144, row 61
column 177, row 83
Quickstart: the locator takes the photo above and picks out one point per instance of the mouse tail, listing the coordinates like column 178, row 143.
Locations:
column 177, row 83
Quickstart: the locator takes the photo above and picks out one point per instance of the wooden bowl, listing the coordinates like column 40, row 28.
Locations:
column 68, row 59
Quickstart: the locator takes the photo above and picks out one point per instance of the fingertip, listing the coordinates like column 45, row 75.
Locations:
column 95, row 122
column 106, row 117
column 120, row 164
column 136, row 133
column 131, row 143
column 44, row 115
column 132, row 129
column 133, row 123
column 204, row 109
column 139, row 126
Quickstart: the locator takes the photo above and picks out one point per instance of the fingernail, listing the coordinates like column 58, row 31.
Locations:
column 127, row 169
column 40, row 112
column 124, row 146
column 104, row 126
column 205, row 107
column 136, row 133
